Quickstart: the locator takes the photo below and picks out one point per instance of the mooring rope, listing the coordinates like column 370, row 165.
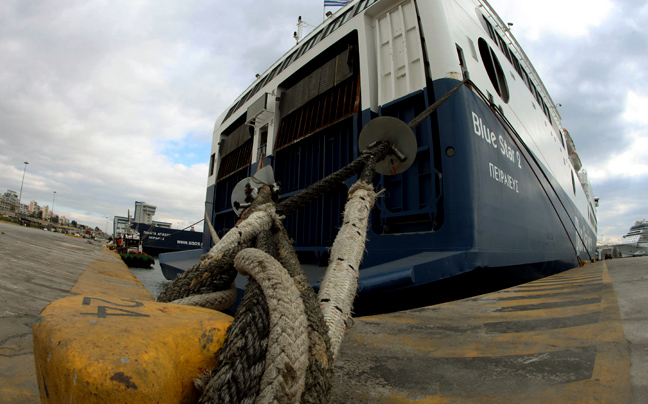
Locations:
column 282, row 343
column 220, row 300
column 320, row 372
column 247, row 371
column 286, row 358
column 340, row 282
column 207, row 276
column 245, row 232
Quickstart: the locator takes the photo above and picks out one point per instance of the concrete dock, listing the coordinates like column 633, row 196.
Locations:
column 36, row 268
column 576, row 337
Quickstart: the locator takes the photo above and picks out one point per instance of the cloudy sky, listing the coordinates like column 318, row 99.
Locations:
column 113, row 102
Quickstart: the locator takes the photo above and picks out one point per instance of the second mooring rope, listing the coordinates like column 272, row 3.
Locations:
column 340, row 283
column 287, row 355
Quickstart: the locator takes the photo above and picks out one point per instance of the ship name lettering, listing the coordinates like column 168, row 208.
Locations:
column 482, row 131
column 506, row 149
column 500, row 176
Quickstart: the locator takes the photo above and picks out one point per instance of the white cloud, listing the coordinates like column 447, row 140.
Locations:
column 636, row 109
column 630, row 161
column 107, row 100
column 626, row 163
column 573, row 18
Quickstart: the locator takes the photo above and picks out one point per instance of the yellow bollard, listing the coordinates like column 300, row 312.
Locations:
column 105, row 349
column 112, row 343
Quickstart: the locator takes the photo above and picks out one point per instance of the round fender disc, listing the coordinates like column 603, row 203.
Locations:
column 399, row 134
column 238, row 195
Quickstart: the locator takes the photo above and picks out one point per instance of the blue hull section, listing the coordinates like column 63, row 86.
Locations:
column 157, row 240
column 175, row 263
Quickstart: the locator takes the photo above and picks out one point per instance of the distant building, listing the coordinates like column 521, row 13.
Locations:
column 120, row 224
column 24, row 208
column 46, row 212
column 144, row 213
column 34, row 207
column 9, row 201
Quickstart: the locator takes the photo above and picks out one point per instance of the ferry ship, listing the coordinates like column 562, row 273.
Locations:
column 496, row 187
column 636, row 240
column 155, row 237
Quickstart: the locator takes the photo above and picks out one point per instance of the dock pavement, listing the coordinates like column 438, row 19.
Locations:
column 36, row 268
column 577, row 337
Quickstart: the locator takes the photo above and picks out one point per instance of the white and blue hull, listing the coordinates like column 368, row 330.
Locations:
column 492, row 189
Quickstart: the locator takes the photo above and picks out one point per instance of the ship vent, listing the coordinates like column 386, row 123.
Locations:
column 327, row 95
column 235, row 151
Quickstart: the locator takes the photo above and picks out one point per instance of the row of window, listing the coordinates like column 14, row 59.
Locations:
column 314, row 40
column 516, row 65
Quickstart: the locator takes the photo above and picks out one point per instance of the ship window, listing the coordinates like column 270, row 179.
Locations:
column 489, row 28
column 346, row 17
column 462, row 62
column 263, row 142
column 336, row 24
column 303, row 48
column 328, row 30
column 316, row 39
column 504, row 48
column 273, row 73
column 212, row 161
column 286, row 62
column 573, row 183
column 361, row 6
column 494, row 69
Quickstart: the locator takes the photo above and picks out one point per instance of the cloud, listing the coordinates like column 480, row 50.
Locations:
column 112, row 102
column 591, row 58
column 537, row 19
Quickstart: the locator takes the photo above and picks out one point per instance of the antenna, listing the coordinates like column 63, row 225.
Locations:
column 300, row 29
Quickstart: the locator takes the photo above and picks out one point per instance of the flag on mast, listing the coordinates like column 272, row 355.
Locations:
column 335, row 3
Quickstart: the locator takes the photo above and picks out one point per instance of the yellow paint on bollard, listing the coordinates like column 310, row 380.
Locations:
column 104, row 349
column 112, row 343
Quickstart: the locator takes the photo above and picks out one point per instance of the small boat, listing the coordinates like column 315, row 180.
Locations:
column 129, row 247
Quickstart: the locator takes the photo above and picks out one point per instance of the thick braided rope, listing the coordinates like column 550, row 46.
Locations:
column 216, row 300
column 338, row 289
column 287, row 356
column 244, row 232
column 320, row 371
column 236, row 377
column 206, row 277
column 196, row 281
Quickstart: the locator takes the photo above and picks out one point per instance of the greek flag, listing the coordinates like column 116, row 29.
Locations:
column 335, row 3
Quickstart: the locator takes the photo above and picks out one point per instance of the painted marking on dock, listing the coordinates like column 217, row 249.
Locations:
column 559, row 339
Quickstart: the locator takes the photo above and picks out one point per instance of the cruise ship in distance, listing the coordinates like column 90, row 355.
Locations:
column 635, row 240
column 496, row 188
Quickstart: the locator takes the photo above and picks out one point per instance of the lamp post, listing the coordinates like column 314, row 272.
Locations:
column 21, row 188
column 106, row 227
column 53, row 200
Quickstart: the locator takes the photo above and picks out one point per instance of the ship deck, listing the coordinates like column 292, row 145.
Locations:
column 579, row 336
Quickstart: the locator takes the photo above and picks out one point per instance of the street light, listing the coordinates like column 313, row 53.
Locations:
column 21, row 188
column 106, row 227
